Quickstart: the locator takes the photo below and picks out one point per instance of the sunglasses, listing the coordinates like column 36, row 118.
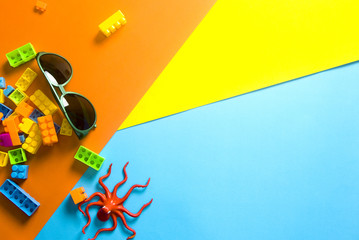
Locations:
column 77, row 109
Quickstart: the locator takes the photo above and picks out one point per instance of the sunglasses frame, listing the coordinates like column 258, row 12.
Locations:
column 80, row 133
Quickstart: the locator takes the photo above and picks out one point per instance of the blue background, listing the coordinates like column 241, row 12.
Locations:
column 279, row 163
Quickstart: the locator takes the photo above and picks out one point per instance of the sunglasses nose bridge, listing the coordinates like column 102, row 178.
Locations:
column 62, row 89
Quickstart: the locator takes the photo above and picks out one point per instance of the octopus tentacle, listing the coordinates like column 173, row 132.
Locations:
column 138, row 213
column 96, row 194
column 125, row 223
column 88, row 214
column 108, row 194
column 135, row 186
column 122, row 182
column 114, row 219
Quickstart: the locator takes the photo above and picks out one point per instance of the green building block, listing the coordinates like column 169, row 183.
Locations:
column 89, row 158
column 17, row 156
column 17, row 96
column 21, row 55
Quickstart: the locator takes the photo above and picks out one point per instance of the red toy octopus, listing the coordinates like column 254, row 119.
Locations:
column 111, row 205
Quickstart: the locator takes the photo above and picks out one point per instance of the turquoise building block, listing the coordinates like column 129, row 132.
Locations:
column 8, row 90
column 89, row 158
column 19, row 171
column 19, row 197
column 2, row 83
column 21, row 55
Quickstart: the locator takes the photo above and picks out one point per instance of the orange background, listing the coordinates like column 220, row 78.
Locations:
column 113, row 73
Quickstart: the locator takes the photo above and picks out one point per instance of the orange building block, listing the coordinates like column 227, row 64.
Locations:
column 78, row 195
column 24, row 109
column 11, row 125
column 41, row 6
column 47, row 129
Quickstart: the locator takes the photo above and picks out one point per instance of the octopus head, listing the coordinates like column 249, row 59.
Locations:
column 103, row 214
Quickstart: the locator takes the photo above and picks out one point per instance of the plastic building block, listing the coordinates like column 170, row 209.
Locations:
column 2, row 83
column 8, row 90
column 26, row 125
column 66, row 128
column 33, row 141
column 35, row 114
column 40, row 6
column 21, row 55
column 47, row 128
column 22, row 137
column 5, row 140
column 17, row 96
column 5, row 111
column 19, row 197
column 19, row 171
column 2, row 96
column 17, row 156
column 78, row 195
column 111, row 24
column 24, row 109
column 4, row 158
column 57, row 128
column 43, row 103
column 26, row 79
column 89, row 158
column 11, row 125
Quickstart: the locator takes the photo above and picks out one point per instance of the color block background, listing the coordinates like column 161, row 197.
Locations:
column 113, row 73
column 280, row 163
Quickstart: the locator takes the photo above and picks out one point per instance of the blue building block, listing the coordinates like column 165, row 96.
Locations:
column 2, row 83
column 6, row 111
column 8, row 90
column 22, row 137
column 35, row 114
column 20, row 171
column 19, row 197
column 57, row 128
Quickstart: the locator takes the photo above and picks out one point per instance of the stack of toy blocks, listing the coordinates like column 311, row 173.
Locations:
column 21, row 55
column 89, row 158
column 47, row 128
column 19, row 171
column 111, row 24
column 78, row 195
column 19, row 197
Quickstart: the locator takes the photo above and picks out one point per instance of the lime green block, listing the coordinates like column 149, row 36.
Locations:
column 17, row 156
column 21, row 55
column 89, row 158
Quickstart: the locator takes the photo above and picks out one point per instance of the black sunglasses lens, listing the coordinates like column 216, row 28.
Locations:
column 80, row 111
column 57, row 67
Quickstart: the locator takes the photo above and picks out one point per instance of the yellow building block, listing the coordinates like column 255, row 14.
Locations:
column 111, row 24
column 4, row 158
column 26, row 125
column 26, row 79
column 33, row 141
column 43, row 103
column 2, row 96
column 66, row 128
column 78, row 195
